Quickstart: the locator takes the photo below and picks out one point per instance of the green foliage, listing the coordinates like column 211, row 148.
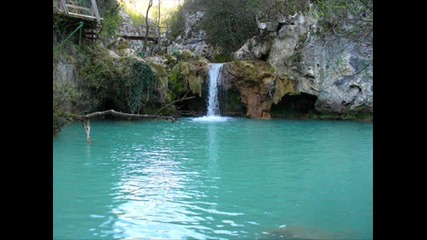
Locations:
column 176, row 84
column 106, row 7
column 142, row 84
column 136, row 18
column 231, row 103
column 64, row 93
column 352, row 19
column 273, row 8
column 222, row 58
column 123, row 84
column 162, row 81
column 228, row 24
column 110, row 24
column 176, row 23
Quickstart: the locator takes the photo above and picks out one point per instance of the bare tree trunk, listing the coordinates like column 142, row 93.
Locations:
column 158, row 29
column 147, row 26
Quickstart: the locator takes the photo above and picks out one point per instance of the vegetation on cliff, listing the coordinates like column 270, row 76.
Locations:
column 228, row 24
column 88, row 77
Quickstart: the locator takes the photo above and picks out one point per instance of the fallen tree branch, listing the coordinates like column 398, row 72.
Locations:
column 179, row 100
column 120, row 114
column 86, row 118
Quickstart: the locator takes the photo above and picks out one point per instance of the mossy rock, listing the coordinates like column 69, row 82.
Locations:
column 251, row 71
column 162, row 80
column 177, row 85
column 284, row 85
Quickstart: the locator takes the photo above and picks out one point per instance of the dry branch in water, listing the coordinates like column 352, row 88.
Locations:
column 86, row 123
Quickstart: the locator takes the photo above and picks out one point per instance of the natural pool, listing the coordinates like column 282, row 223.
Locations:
column 236, row 179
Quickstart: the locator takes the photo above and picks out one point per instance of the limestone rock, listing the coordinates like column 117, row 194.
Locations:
column 338, row 71
column 193, row 37
column 258, row 85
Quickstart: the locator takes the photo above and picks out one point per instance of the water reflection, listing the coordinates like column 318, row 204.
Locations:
column 212, row 148
column 149, row 197
column 204, row 180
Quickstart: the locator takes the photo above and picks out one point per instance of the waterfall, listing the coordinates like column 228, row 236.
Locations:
column 214, row 77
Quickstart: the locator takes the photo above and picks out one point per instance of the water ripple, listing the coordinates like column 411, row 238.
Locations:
column 235, row 179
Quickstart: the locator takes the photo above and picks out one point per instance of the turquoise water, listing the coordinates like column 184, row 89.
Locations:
column 237, row 179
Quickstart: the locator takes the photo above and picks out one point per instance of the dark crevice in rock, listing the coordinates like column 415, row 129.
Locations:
column 279, row 26
column 344, row 103
column 192, row 107
column 294, row 106
column 356, row 86
column 264, row 57
column 230, row 103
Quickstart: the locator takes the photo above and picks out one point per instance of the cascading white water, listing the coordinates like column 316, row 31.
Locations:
column 214, row 77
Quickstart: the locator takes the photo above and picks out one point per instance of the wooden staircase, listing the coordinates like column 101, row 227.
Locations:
column 71, row 9
column 91, row 33
column 75, row 14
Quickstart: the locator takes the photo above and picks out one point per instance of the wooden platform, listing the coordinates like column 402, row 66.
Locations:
column 90, row 15
column 141, row 38
column 74, row 11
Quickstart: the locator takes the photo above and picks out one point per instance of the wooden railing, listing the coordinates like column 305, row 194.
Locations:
column 74, row 10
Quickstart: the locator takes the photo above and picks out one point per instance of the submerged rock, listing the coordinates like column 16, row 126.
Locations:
column 305, row 233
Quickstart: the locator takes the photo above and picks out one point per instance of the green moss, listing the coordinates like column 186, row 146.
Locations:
column 123, row 45
column 123, row 84
column 222, row 58
column 252, row 71
column 171, row 60
column 186, row 55
column 231, row 104
column 162, row 81
column 188, row 76
column 176, row 83
column 283, row 86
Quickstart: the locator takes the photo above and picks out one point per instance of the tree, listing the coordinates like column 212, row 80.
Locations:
column 147, row 25
column 351, row 19
column 158, row 27
column 228, row 24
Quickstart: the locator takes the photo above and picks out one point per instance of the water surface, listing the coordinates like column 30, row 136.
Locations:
column 231, row 179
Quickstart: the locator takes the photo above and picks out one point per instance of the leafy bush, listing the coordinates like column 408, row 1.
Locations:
column 110, row 24
column 64, row 93
column 176, row 23
column 352, row 19
column 123, row 84
column 228, row 24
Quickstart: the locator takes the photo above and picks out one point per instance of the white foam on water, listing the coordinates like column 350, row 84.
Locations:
column 211, row 119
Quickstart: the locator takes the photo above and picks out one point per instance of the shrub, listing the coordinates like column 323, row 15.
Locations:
column 123, row 84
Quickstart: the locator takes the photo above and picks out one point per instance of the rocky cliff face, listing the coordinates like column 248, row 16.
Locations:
column 338, row 71
column 258, row 84
column 193, row 38
column 124, row 44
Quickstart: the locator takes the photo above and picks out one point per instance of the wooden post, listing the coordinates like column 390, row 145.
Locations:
column 95, row 10
column 64, row 6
